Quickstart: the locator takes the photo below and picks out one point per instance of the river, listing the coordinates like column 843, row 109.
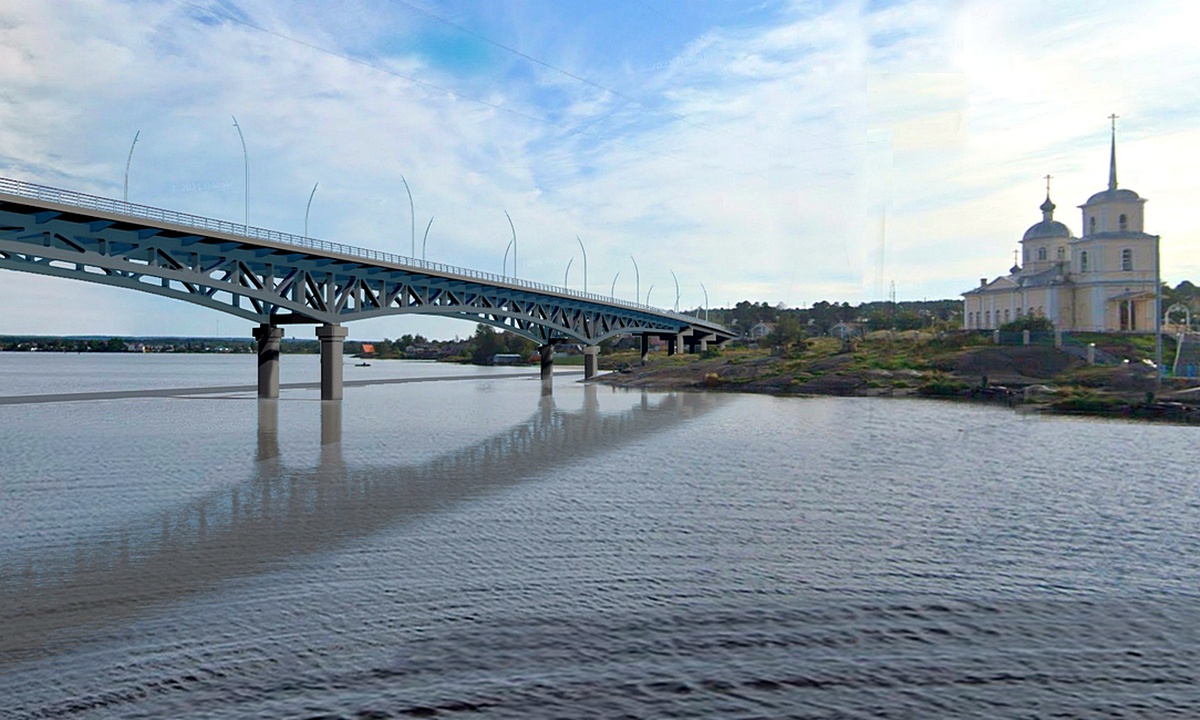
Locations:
column 463, row 544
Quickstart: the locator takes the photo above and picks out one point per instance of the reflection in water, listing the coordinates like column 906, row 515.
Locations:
column 282, row 512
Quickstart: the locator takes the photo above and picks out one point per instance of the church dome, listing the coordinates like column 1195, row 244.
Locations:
column 1117, row 194
column 1047, row 229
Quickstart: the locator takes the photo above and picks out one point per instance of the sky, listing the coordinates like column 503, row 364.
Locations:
column 780, row 151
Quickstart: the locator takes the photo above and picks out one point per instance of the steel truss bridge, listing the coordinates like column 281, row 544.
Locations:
column 275, row 278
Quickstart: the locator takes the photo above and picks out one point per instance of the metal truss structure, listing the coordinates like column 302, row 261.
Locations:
column 275, row 278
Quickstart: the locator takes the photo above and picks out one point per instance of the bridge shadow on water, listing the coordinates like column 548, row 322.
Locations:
column 51, row 604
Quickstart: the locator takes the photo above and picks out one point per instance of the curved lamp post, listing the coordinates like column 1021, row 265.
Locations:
column 612, row 291
column 567, row 271
column 581, row 247
column 426, row 238
column 504, row 265
column 246, row 181
column 705, row 302
column 637, row 283
column 514, row 242
column 307, row 208
column 127, row 162
column 412, row 219
column 676, row 289
column 648, row 294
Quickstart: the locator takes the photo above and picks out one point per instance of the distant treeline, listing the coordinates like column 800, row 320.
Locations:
column 822, row 316
column 818, row 319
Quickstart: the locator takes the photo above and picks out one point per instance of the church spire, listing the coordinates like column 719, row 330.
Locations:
column 1112, row 160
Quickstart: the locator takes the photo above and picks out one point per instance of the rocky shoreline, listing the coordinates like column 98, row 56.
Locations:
column 1037, row 379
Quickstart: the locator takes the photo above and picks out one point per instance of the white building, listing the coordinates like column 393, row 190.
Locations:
column 1102, row 281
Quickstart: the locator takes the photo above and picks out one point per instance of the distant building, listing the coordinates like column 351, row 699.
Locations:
column 1103, row 281
column 760, row 331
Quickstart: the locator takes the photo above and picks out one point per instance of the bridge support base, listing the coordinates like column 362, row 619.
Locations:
column 645, row 348
column 268, row 337
column 591, row 361
column 331, row 337
column 546, row 354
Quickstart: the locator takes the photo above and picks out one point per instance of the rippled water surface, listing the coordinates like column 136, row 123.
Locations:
column 473, row 547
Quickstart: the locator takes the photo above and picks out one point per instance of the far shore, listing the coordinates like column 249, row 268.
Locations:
column 1033, row 378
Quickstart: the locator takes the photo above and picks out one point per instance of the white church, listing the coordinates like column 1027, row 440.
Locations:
column 1103, row 281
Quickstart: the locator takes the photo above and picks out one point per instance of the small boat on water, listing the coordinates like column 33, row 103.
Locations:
column 362, row 364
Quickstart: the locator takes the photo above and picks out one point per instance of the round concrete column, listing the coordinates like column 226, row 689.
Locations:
column 591, row 361
column 546, row 354
column 331, row 337
column 268, row 337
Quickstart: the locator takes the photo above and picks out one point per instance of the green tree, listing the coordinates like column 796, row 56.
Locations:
column 485, row 343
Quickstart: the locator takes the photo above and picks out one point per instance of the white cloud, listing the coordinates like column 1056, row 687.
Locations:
column 819, row 157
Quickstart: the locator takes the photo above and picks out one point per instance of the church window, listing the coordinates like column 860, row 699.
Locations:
column 1083, row 261
column 988, row 317
column 1018, row 312
column 1041, row 253
column 1127, row 259
column 1062, row 253
column 1123, row 222
column 1091, row 224
column 1005, row 314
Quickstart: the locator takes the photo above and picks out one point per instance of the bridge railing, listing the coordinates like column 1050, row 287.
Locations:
column 35, row 191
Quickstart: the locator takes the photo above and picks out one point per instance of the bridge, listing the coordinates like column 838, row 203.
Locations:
column 278, row 279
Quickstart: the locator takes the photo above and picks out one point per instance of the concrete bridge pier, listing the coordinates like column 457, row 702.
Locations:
column 645, row 348
column 546, row 355
column 683, row 342
column 591, row 361
column 268, row 337
column 331, row 337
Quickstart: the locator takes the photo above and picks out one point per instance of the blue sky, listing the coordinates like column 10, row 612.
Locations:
column 785, row 152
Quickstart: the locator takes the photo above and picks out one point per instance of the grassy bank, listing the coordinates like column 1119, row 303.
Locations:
column 956, row 366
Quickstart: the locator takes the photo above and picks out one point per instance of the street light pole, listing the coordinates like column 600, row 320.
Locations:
column 581, row 247
column 705, row 302
column 648, row 294
column 412, row 219
column 246, row 180
column 612, row 291
column 504, row 265
column 127, row 162
column 1157, row 318
column 637, row 286
column 676, row 288
column 307, row 208
column 514, row 241
column 567, row 271
column 426, row 238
